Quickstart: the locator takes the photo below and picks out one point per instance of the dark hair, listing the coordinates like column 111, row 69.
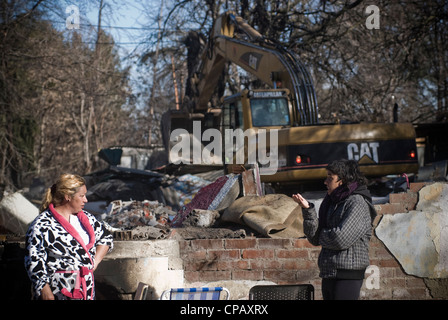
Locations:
column 348, row 171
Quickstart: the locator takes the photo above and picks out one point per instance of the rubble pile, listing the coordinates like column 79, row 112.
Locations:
column 129, row 214
column 186, row 207
column 201, row 202
column 138, row 220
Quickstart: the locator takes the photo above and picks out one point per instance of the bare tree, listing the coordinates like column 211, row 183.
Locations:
column 61, row 99
column 360, row 73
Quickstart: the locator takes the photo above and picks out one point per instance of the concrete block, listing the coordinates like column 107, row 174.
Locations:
column 156, row 263
column 125, row 274
column 16, row 213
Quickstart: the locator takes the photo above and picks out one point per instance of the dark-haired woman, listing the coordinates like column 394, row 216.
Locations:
column 343, row 229
column 65, row 244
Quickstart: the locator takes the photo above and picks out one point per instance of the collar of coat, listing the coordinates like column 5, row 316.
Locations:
column 70, row 229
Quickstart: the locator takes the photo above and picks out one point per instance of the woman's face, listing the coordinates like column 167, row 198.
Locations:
column 332, row 182
column 79, row 199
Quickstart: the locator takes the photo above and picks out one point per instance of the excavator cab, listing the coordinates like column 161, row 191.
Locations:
column 257, row 109
column 269, row 109
column 252, row 112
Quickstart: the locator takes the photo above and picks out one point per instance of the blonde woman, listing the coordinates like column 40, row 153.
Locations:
column 65, row 244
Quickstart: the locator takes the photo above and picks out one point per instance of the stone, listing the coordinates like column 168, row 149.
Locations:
column 419, row 239
column 17, row 212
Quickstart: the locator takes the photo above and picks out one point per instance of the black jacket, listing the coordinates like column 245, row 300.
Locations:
column 345, row 236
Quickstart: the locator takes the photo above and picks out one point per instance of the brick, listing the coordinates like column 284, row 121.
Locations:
column 208, row 265
column 223, row 254
column 275, row 275
column 306, row 264
column 412, row 282
column 207, row 244
column 409, row 293
column 190, row 266
column 398, row 197
column 233, row 265
column 381, row 294
column 303, row 243
column 247, row 275
column 200, row 265
column 417, row 186
column 306, row 275
column 389, row 208
column 393, row 282
column 418, row 293
column 379, row 252
column 257, row 254
column 408, row 200
column 388, row 263
column 292, row 265
column 191, row 276
column 391, row 273
column 215, row 275
column 194, row 255
column 265, row 264
column 240, row 243
column 376, row 220
column 274, row 243
column 292, row 254
column 374, row 241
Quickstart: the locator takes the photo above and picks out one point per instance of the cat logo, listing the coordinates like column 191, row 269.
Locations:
column 365, row 152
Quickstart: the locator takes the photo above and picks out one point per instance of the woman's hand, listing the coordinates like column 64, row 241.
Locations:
column 301, row 200
column 101, row 251
column 46, row 293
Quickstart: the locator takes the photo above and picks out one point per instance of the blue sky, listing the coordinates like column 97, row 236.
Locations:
column 129, row 25
column 125, row 22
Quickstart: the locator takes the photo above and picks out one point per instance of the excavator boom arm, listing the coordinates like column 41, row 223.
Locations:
column 269, row 62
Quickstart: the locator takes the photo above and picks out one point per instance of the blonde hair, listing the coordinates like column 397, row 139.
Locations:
column 67, row 184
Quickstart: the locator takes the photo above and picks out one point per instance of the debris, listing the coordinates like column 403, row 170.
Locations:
column 251, row 182
column 125, row 184
column 123, row 235
column 16, row 213
column 141, row 233
column 436, row 171
column 190, row 233
column 202, row 200
column 126, row 214
column 202, row 203
column 214, row 196
column 149, row 232
column 201, row 218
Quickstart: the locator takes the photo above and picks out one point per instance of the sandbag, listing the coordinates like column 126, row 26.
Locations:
column 272, row 215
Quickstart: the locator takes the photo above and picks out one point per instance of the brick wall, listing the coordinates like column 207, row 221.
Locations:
column 289, row 261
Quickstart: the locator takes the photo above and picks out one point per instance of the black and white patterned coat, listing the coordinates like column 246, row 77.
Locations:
column 56, row 254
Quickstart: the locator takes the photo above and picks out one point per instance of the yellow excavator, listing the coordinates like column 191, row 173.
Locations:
column 286, row 105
